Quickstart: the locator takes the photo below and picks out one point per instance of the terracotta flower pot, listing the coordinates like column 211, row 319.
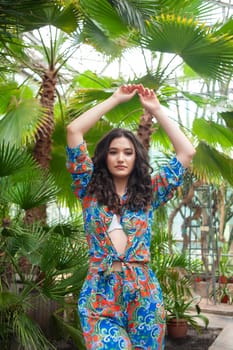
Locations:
column 223, row 279
column 177, row 328
column 224, row 299
column 198, row 279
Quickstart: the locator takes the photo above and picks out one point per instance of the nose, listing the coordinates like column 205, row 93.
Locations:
column 120, row 158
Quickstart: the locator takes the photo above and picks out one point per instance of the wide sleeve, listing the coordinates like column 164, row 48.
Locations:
column 166, row 181
column 80, row 165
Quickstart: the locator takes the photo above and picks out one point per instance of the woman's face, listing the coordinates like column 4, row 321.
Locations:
column 121, row 157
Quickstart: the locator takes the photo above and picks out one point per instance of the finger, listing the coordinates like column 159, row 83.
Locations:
column 151, row 93
column 141, row 88
column 133, row 87
column 126, row 88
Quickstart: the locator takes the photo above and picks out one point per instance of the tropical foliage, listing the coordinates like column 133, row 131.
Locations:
column 180, row 45
column 173, row 270
column 47, row 262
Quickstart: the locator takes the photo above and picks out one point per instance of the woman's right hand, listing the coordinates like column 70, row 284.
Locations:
column 125, row 93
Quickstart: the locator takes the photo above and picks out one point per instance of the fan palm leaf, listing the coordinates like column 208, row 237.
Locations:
column 64, row 271
column 25, row 241
column 201, row 10
column 61, row 254
column 105, row 16
column 213, row 133
column 228, row 118
column 134, row 13
column 211, row 165
column 14, row 160
column 15, row 321
column 42, row 12
column 205, row 99
column 62, row 178
column 97, row 38
column 72, row 230
column 19, row 124
column 57, row 287
column 29, row 334
column 71, row 330
column 36, row 189
column 205, row 51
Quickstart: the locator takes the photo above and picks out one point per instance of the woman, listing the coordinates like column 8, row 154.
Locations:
column 121, row 304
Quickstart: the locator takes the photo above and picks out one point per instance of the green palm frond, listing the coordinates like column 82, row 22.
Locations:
column 29, row 334
column 57, row 287
column 204, row 51
column 65, row 263
column 196, row 8
column 27, row 241
column 211, row 165
column 21, row 121
column 11, row 11
column 226, row 28
column 7, row 90
column 213, row 133
column 124, row 114
column 85, row 99
column 91, row 80
column 228, row 118
column 70, row 330
column 160, row 138
column 204, row 99
column 72, row 230
column 62, row 178
column 62, row 254
column 16, row 322
column 134, row 13
column 105, row 16
column 8, row 299
column 101, row 41
column 193, row 320
column 14, row 160
column 28, row 15
column 35, row 189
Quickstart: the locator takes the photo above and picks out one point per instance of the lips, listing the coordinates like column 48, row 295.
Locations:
column 120, row 167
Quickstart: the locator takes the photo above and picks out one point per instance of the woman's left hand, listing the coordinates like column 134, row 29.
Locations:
column 149, row 100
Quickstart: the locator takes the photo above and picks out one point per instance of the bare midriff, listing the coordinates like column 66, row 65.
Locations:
column 119, row 240
column 117, row 265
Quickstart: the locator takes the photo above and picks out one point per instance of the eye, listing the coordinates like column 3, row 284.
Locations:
column 128, row 153
column 112, row 152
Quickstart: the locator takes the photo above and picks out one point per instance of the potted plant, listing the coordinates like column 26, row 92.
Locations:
column 172, row 269
column 225, row 270
column 182, row 307
column 224, row 294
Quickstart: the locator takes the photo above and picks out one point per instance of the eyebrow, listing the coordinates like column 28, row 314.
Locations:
column 125, row 149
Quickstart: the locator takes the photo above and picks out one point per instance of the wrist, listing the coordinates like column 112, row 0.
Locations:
column 158, row 112
column 114, row 100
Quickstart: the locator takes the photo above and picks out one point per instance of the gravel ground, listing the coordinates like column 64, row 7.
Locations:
column 193, row 340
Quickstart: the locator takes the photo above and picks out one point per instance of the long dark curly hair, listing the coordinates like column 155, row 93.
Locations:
column 139, row 190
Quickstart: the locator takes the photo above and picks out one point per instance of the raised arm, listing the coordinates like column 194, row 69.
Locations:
column 183, row 147
column 79, row 126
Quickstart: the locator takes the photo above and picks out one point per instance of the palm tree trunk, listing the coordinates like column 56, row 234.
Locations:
column 145, row 129
column 43, row 146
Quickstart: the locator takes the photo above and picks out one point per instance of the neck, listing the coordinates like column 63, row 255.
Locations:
column 120, row 186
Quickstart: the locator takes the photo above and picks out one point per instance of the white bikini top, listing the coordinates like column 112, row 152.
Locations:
column 115, row 225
